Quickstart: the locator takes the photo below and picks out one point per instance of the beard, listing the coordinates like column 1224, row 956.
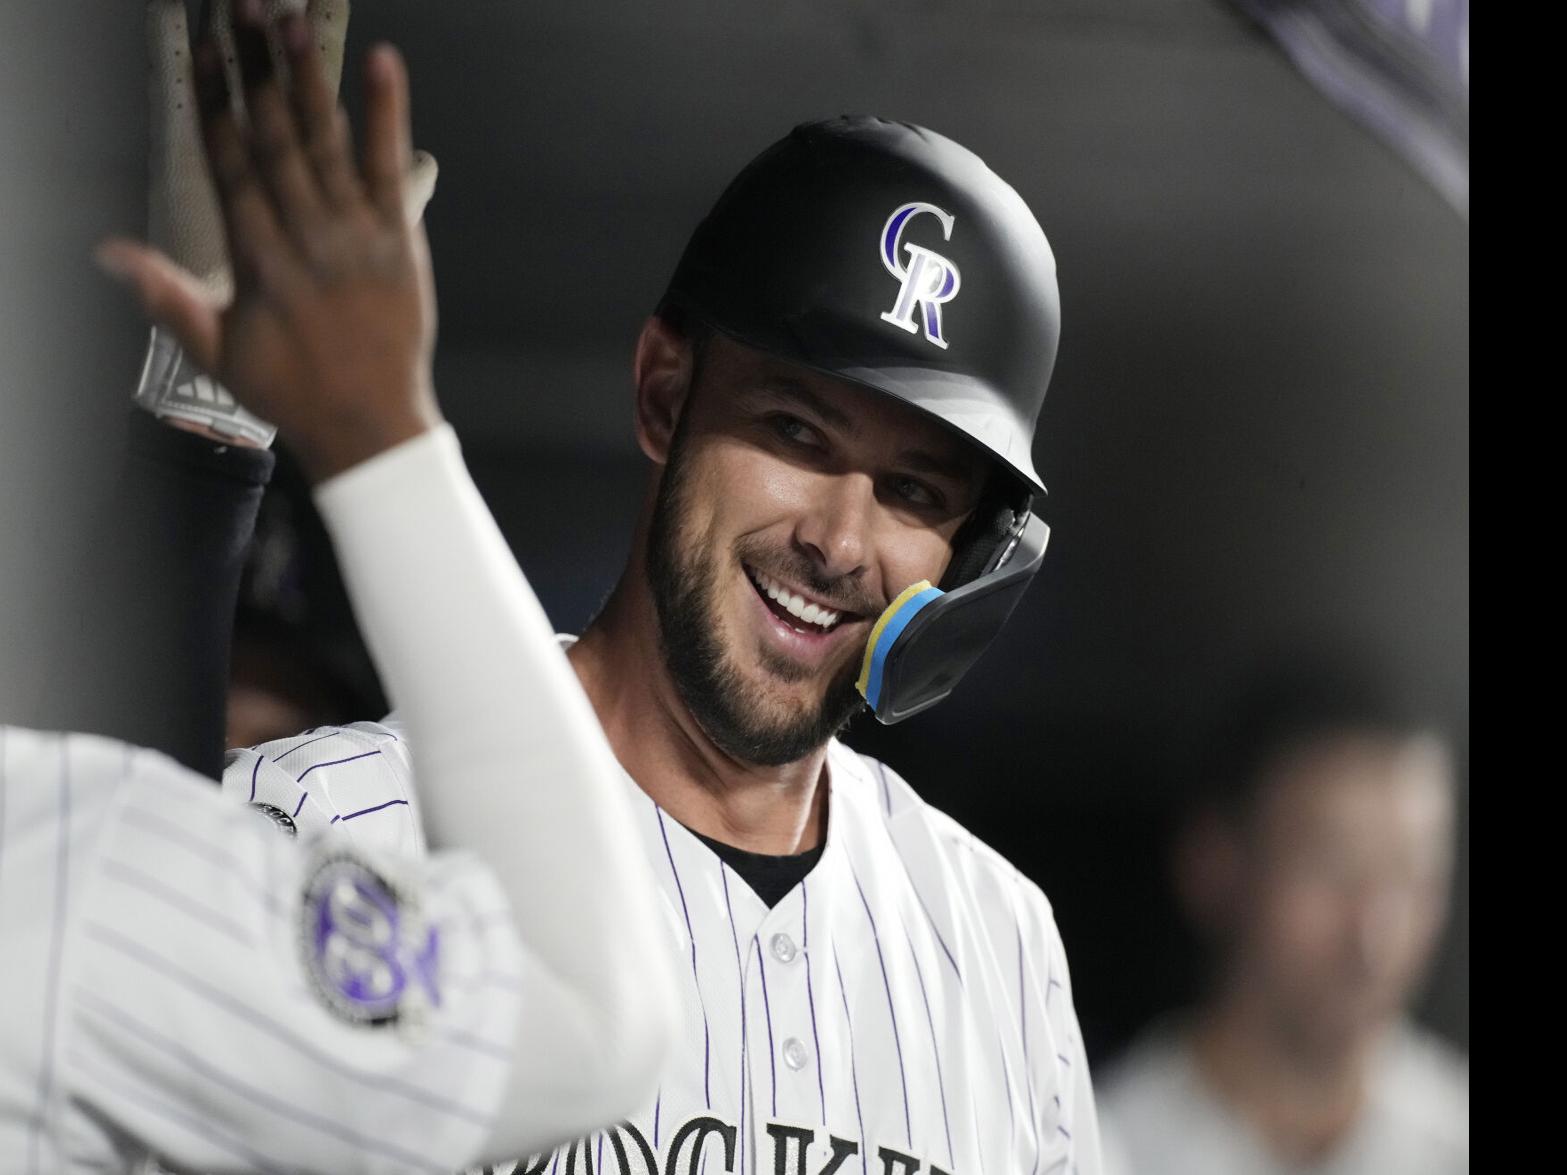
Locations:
column 736, row 714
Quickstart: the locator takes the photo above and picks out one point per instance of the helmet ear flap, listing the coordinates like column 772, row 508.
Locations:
column 988, row 536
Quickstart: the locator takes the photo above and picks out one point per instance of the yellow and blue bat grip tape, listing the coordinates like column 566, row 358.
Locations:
column 884, row 635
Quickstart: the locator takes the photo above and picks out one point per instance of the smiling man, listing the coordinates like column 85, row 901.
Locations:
column 837, row 396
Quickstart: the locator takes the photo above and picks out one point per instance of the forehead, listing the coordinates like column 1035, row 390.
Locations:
column 747, row 376
column 1361, row 788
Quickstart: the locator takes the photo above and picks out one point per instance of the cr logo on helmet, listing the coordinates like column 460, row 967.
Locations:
column 929, row 279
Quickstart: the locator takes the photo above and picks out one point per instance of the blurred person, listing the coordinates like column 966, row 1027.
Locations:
column 185, row 983
column 1318, row 870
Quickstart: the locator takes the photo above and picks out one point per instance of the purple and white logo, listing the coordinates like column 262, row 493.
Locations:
column 373, row 958
column 929, row 279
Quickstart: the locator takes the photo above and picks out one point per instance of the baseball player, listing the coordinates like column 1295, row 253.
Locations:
column 837, row 394
column 182, row 979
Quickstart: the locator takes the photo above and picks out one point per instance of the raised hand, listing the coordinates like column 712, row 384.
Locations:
column 331, row 328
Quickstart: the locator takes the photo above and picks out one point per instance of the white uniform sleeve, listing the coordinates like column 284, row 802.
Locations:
column 240, row 999
column 357, row 779
column 511, row 764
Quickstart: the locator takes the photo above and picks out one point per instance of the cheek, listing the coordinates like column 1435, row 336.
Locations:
column 914, row 553
column 750, row 490
column 1410, row 918
column 1302, row 921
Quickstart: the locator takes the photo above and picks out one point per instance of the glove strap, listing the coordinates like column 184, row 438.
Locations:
column 173, row 386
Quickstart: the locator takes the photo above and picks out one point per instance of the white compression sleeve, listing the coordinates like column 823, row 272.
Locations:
column 511, row 763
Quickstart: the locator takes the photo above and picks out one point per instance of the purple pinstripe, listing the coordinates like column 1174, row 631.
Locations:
column 195, row 1123
column 805, row 949
column 892, row 1014
column 130, row 948
column 477, row 1044
column 180, row 835
column 707, row 1040
column 62, row 863
column 1028, row 1074
column 767, row 1011
column 854, row 1070
column 886, row 791
column 935, row 1046
column 367, row 811
column 302, row 746
column 723, row 876
column 1006, row 1077
column 252, row 1094
column 169, row 896
column 333, row 763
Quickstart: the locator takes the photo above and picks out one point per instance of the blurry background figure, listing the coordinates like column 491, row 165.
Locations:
column 1317, row 869
column 298, row 660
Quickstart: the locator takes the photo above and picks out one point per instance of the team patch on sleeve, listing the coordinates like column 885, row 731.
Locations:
column 372, row 956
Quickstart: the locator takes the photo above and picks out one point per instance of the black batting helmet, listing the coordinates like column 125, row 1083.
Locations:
column 887, row 255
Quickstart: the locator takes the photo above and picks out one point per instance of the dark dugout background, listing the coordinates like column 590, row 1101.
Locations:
column 1258, row 427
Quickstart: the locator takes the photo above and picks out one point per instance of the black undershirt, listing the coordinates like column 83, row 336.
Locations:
column 770, row 877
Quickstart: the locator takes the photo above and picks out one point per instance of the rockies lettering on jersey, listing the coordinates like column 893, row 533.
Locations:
column 905, row 1009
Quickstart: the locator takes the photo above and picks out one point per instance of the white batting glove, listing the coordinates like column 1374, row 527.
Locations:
column 183, row 219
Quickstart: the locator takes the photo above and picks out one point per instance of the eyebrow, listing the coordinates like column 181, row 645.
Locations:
column 921, row 461
column 916, row 460
column 784, row 388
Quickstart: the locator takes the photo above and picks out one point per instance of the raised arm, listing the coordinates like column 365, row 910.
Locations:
column 330, row 335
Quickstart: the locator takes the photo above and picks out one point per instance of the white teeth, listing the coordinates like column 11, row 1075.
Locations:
column 796, row 606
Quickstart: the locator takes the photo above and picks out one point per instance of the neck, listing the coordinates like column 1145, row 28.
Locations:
column 1303, row 1101
column 774, row 810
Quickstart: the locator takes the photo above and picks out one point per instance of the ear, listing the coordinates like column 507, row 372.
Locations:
column 662, row 371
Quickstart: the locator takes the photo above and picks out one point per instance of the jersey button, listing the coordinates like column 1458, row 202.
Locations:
column 783, row 949
column 794, row 1054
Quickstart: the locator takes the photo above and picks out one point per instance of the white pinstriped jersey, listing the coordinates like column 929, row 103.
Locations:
column 181, row 980
column 905, row 1009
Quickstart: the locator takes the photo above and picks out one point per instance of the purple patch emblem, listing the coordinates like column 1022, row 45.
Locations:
column 373, row 958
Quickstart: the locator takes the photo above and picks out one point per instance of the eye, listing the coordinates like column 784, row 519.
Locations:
column 915, row 492
column 795, row 431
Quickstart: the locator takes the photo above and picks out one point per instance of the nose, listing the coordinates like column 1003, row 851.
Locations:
column 834, row 531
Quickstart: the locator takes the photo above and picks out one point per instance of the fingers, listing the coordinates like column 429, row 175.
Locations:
column 329, row 28
column 250, row 225
column 388, row 140
column 170, row 296
column 323, row 128
column 274, row 145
